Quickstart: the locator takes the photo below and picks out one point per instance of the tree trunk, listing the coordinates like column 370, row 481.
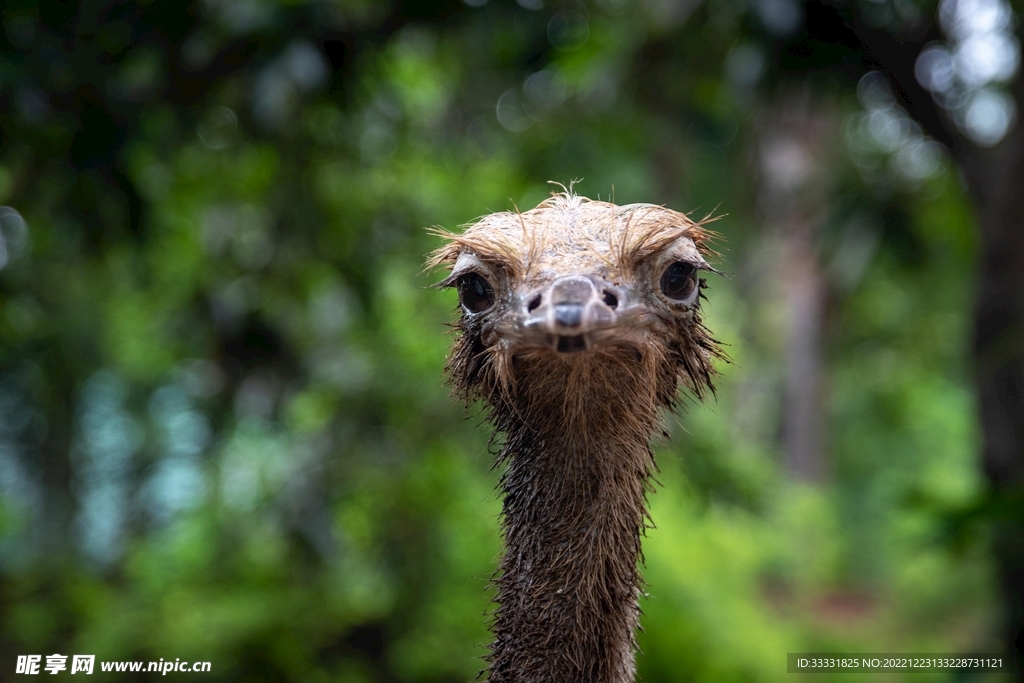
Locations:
column 997, row 182
column 793, row 141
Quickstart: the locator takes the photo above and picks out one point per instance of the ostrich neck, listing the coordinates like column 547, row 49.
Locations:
column 572, row 517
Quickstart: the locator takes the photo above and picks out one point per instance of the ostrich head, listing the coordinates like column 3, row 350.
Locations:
column 584, row 285
column 579, row 320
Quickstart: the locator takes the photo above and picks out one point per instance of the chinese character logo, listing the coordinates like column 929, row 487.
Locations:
column 55, row 663
column 28, row 664
column 82, row 663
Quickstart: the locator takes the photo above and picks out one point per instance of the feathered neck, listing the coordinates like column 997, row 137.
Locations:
column 578, row 464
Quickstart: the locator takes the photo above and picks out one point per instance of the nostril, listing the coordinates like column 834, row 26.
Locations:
column 534, row 303
column 610, row 299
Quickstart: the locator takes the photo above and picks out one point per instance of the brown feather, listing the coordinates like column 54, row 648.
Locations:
column 574, row 428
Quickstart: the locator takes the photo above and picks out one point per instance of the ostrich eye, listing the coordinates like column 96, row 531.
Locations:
column 475, row 294
column 679, row 281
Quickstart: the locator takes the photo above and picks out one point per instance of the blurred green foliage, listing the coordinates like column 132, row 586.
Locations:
column 224, row 434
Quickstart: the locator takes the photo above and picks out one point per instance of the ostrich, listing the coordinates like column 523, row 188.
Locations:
column 579, row 321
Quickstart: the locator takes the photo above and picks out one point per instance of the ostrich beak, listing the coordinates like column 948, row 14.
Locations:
column 570, row 309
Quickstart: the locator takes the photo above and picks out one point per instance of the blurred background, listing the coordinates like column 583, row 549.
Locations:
column 224, row 433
